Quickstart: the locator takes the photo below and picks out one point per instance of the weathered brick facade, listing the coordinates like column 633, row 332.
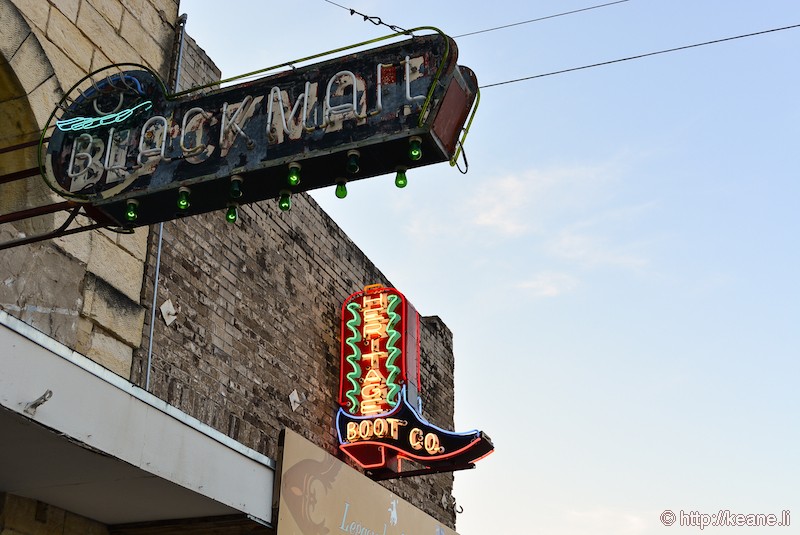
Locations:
column 196, row 67
column 258, row 302
column 259, row 316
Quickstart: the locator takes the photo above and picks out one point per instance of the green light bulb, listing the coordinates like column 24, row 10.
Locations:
column 415, row 149
column 401, row 180
column 285, row 201
column 341, row 190
column 352, row 162
column 294, row 175
column 132, row 210
column 183, row 199
column 232, row 214
column 235, row 189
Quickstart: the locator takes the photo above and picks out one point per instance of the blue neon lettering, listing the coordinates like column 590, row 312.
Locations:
column 86, row 123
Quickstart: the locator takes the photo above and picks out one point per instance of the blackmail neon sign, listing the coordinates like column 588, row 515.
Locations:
column 120, row 139
column 379, row 422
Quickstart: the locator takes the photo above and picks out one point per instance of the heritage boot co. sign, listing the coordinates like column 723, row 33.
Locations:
column 140, row 156
column 379, row 423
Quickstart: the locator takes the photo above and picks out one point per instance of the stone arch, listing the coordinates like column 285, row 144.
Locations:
column 84, row 289
column 28, row 90
column 40, row 286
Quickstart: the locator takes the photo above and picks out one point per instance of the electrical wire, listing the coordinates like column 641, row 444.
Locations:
column 638, row 56
column 537, row 20
column 377, row 20
column 374, row 20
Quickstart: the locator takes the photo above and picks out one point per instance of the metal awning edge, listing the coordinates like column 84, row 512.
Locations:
column 90, row 408
column 57, row 348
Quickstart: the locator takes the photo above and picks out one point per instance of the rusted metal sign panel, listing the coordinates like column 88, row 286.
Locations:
column 123, row 139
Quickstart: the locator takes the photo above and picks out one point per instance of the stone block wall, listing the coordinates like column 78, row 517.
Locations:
column 258, row 316
column 83, row 290
column 23, row 516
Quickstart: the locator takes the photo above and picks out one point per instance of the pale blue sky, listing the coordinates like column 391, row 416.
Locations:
column 620, row 265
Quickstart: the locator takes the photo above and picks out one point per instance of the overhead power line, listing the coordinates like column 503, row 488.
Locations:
column 539, row 19
column 378, row 22
column 374, row 20
column 638, row 56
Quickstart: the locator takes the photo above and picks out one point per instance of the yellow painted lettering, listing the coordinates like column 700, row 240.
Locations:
column 375, row 358
column 376, row 301
column 352, row 431
column 415, row 438
column 371, row 406
column 432, row 443
column 375, row 322
column 380, row 428
column 394, row 427
column 365, row 429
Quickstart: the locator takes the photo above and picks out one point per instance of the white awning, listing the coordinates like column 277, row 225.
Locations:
column 103, row 448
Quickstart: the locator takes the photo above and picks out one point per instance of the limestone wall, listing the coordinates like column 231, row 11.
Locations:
column 23, row 516
column 85, row 289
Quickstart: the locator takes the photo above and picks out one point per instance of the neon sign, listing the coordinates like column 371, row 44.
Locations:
column 87, row 123
column 374, row 322
column 120, row 137
column 379, row 423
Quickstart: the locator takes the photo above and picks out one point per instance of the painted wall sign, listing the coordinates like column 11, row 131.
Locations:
column 379, row 422
column 140, row 156
column 321, row 495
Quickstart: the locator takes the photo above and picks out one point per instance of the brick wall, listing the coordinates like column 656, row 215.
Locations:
column 258, row 302
column 258, row 316
column 196, row 67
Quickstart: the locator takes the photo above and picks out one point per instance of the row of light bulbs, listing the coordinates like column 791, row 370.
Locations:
column 293, row 179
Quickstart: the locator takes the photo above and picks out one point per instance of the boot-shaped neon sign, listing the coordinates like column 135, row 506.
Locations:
column 379, row 421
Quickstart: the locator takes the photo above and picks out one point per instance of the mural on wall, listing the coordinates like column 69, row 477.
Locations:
column 321, row 495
